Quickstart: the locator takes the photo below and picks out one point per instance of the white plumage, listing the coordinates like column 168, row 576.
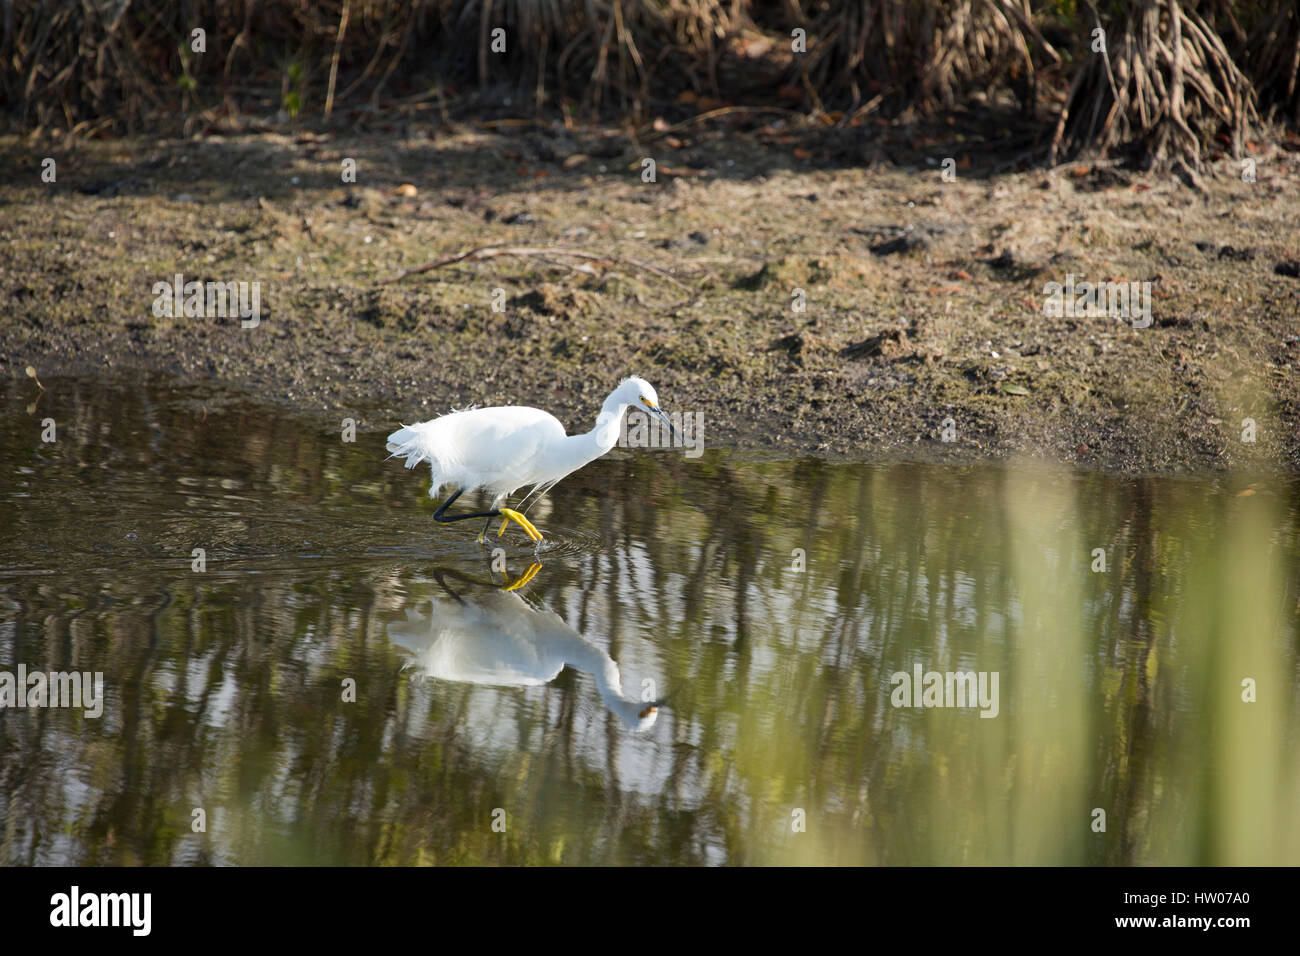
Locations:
column 490, row 448
column 504, row 448
column 498, row 640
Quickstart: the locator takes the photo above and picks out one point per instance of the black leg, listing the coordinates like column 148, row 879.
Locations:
column 441, row 514
column 442, row 517
column 441, row 574
column 438, row 576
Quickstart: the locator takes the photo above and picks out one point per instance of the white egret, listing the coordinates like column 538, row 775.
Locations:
column 502, row 449
column 498, row 640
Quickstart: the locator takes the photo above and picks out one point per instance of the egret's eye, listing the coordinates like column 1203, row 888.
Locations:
column 646, row 402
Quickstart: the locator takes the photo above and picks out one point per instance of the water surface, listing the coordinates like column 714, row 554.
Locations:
column 345, row 683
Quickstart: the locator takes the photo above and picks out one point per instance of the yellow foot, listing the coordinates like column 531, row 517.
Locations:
column 520, row 520
column 525, row 577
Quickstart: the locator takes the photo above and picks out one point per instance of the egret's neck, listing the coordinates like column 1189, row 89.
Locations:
column 608, row 424
column 589, row 446
column 583, row 656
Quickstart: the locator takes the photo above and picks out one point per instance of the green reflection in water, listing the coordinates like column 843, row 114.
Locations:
column 668, row 580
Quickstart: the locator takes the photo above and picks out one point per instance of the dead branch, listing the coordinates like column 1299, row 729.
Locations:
column 546, row 254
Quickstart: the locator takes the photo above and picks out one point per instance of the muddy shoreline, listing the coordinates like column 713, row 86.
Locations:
column 923, row 301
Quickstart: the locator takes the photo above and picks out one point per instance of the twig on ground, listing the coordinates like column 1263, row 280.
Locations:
column 547, row 254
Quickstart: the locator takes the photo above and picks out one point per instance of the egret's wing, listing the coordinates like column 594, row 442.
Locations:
column 506, row 451
column 482, row 447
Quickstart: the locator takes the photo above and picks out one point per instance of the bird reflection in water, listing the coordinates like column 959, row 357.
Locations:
column 495, row 638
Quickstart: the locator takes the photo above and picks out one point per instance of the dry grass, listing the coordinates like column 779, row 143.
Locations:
column 1163, row 84
column 1168, row 84
column 1268, row 49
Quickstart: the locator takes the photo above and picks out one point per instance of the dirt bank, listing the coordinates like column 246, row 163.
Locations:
column 924, row 299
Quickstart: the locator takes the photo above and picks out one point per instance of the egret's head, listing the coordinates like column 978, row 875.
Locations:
column 638, row 393
column 640, row 716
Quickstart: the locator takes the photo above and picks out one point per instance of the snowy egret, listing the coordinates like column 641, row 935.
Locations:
column 499, row 640
column 502, row 449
